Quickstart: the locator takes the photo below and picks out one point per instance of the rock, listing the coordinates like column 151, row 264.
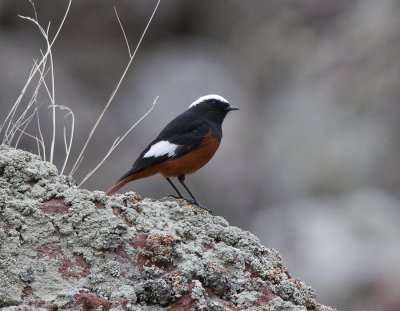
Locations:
column 67, row 248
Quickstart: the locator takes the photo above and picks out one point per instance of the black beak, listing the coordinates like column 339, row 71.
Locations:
column 232, row 108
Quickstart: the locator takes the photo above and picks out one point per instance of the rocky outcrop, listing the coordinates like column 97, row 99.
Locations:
column 64, row 248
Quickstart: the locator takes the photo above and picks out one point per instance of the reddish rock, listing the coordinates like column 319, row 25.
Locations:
column 98, row 204
column 90, row 301
column 55, row 206
column 26, row 291
column 139, row 240
column 209, row 246
column 74, row 266
column 50, row 250
column 117, row 212
column 253, row 274
column 265, row 295
column 185, row 302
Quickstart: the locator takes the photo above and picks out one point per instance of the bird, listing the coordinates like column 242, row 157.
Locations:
column 186, row 144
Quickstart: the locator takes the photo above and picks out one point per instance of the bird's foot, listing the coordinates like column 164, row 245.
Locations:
column 191, row 201
column 176, row 197
column 198, row 204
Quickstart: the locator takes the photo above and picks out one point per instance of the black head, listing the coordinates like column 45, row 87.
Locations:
column 213, row 107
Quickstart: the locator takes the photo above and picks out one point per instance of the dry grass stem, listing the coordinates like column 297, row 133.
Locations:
column 117, row 141
column 79, row 159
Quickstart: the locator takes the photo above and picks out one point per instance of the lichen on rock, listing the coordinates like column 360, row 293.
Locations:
column 66, row 248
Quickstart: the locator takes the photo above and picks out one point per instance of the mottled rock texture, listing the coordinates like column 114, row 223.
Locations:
column 64, row 248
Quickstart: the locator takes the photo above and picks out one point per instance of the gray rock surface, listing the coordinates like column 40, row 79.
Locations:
column 64, row 248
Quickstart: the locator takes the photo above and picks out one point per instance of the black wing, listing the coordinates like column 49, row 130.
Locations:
column 186, row 130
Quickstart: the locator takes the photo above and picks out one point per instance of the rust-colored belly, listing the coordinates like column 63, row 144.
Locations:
column 193, row 160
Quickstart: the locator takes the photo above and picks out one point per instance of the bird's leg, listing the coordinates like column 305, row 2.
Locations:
column 176, row 189
column 181, row 179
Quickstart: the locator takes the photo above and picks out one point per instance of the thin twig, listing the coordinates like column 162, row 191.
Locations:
column 98, row 165
column 29, row 135
column 38, row 147
column 11, row 113
column 71, row 137
column 53, row 97
column 34, row 9
column 76, row 165
column 33, row 73
column 9, row 135
column 123, row 32
column 24, row 125
column 41, row 136
column 117, row 141
column 45, row 34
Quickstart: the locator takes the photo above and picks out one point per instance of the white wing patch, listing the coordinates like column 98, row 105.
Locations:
column 208, row 97
column 161, row 148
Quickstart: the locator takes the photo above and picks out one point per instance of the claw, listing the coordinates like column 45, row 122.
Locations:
column 199, row 205
column 194, row 202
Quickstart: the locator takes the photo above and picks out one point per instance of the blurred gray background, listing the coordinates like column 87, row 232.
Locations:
column 310, row 164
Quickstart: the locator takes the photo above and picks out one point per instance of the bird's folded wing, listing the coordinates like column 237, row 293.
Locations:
column 175, row 140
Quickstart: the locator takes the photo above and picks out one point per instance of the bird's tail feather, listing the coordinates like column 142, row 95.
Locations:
column 118, row 185
column 130, row 176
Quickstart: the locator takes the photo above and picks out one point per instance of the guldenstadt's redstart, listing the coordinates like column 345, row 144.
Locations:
column 185, row 145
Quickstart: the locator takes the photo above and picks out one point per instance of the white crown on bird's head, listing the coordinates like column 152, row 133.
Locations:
column 208, row 98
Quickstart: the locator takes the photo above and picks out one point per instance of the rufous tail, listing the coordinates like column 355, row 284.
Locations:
column 130, row 176
column 119, row 185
